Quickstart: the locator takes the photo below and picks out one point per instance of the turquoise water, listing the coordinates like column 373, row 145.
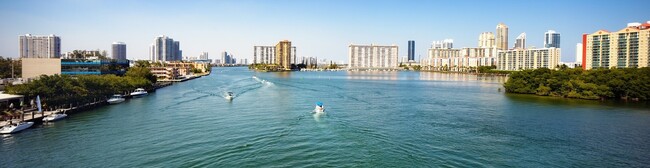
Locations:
column 373, row 119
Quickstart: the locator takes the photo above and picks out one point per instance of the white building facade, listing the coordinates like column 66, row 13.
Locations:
column 373, row 56
column 33, row 46
column 521, row 59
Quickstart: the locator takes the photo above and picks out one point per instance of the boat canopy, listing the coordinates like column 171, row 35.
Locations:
column 319, row 104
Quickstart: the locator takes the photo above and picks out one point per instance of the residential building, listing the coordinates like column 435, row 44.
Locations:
column 449, row 59
column 227, row 58
column 446, row 43
column 626, row 48
column 266, row 54
column 33, row 46
column 520, row 42
column 502, row 37
column 203, row 56
column 411, row 51
column 283, row 54
column 486, row 40
column 520, row 59
column 579, row 54
column 373, row 56
column 551, row 39
column 119, row 51
column 165, row 49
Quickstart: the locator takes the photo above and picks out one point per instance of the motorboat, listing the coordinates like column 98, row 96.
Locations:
column 139, row 92
column 319, row 107
column 230, row 96
column 115, row 99
column 54, row 117
column 13, row 128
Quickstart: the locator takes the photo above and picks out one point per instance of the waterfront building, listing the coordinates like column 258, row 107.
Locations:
column 411, row 50
column 502, row 37
column 520, row 59
column 626, row 48
column 34, row 67
column 33, row 46
column 520, row 42
column 486, row 40
column 449, row 59
column 119, row 51
column 266, row 54
column 227, row 58
column 165, row 49
column 551, row 39
column 283, row 54
column 446, row 43
column 373, row 56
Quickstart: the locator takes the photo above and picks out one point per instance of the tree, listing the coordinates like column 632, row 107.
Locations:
column 141, row 72
column 7, row 66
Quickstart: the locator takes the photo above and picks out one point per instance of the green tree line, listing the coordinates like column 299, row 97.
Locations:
column 6, row 67
column 625, row 83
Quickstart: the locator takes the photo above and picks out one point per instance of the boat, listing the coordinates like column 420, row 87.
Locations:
column 54, row 117
column 139, row 92
column 115, row 99
column 229, row 96
column 319, row 107
column 13, row 128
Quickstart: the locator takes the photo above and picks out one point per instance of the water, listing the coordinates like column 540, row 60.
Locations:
column 373, row 119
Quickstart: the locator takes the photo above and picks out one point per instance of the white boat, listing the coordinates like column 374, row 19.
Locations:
column 54, row 117
column 139, row 92
column 115, row 99
column 229, row 96
column 319, row 108
column 13, row 128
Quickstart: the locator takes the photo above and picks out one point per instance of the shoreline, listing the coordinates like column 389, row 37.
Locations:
column 31, row 115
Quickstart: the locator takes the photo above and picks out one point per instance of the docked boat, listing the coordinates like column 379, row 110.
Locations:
column 319, row 107
column 115, row 99
column 13, row 128
column 54, row 117
column 230, row 96
column 139, row 92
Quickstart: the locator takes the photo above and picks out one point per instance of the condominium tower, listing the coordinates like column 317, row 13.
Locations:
column 373, row 56
column 165, row 49
column 520, row 42
column 411, row 51
column 502, row 37
column 626, row 48
column 32, row 46
column 266, row 54
column 486, row 40
column 283, row 54
column 119, row 51
column 551, row 39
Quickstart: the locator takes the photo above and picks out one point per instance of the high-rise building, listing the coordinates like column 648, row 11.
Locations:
column 502, row 37
column 203, row 56
column 227, row 58
column 165, row 49
column 283, row 54
column 520, row 59
column 411, row 51
column 551, row 39
column 32, row 46
column 446, row 43
column 119, row 51
column 486, row 40
column 266, row 55
column 520, row 42
column 626, row 48
column 579, row 54
column 373, row 56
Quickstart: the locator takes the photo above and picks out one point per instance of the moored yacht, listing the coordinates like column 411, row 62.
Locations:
column 139, row 92
column 115, row 99
column 54, row 117
column 13, row 128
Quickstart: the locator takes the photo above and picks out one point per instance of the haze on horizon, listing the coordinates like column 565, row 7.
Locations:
column 319, row 28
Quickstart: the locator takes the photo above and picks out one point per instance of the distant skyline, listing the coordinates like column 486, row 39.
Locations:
column 322, row 29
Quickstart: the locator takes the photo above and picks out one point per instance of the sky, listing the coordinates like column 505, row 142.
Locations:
column 318, row 28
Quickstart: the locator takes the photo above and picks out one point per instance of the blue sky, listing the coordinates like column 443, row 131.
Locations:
column 320, row 29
